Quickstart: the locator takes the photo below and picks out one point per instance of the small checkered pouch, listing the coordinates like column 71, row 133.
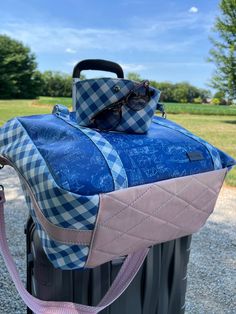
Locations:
column 95, row 95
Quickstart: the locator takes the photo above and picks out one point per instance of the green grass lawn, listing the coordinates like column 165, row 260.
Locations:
column 13, row 108
column 217, row 130
column 220, row 130
column 51, row 101
column 171, row 108
column 200, row 109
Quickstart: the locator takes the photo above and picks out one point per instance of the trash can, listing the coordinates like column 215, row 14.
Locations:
column 158, row 288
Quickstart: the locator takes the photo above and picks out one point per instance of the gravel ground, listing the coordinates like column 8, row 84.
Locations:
column 212, row 266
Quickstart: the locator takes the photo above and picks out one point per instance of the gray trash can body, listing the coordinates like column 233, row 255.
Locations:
column 159, row 287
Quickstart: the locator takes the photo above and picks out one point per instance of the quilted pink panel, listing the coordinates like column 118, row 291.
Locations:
column 145, row 215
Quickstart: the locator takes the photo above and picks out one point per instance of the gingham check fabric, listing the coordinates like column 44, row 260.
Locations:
column 138, row 121
column 61, row 207
column 109, row 153
column 94, row 95
column 66, row 257
column 212, row 150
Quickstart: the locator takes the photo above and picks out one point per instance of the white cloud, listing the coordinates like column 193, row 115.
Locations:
column 193, row 10
column 69, row 50
column 179, row 64
column 151, row 36
column 54, row 39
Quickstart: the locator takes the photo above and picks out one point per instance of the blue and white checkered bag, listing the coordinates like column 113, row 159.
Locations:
column 95, row 196
column 67, row 168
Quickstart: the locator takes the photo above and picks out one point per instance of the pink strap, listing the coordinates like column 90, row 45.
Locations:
column 127, row 272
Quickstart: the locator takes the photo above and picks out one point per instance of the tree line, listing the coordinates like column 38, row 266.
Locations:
column 20, row 78
column 182, row 92
column 57, row 84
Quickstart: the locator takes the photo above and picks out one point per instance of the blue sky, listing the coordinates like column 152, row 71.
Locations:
column 161, row 40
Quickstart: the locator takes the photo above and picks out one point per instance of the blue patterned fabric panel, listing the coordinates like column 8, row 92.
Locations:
column 94, row 95
column 115, row 165
column 82, row 167
column 158, row 155
column 212, row 150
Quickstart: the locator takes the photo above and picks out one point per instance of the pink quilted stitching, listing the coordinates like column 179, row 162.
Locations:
column 138, row 217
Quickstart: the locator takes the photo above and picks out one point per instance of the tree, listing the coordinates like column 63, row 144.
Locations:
column 221, row 97
column 204, row 94
column 57, row 84
column 224, row 52
column 185, row 93
column 18, row 75
column 166, row 88
column 134, row 76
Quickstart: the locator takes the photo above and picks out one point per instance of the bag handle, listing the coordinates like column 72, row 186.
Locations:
column 98, row 64
column 125, row 276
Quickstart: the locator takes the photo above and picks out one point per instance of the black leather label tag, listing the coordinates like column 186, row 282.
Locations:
column 194, row 156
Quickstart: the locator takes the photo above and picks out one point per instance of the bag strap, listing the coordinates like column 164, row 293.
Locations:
column 125, row 276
